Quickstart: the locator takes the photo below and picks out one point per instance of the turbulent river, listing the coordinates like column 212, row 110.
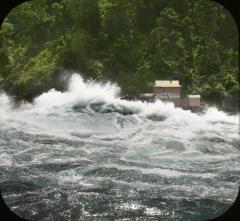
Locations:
column 85, row 154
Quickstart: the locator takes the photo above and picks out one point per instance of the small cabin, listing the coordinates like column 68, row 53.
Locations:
column 191, row 102
column 168, row 91
column 194, row 100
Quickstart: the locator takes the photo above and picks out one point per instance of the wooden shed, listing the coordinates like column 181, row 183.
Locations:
column 167, row 89
column 194, row 100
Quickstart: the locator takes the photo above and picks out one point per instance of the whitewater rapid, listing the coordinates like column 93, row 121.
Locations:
column 97, row 156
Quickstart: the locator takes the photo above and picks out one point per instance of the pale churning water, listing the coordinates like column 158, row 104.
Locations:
column 85, row 154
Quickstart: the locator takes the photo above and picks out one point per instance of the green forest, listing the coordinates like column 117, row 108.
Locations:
column 128, row 42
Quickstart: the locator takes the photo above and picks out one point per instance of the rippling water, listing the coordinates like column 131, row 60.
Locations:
column 85, row 154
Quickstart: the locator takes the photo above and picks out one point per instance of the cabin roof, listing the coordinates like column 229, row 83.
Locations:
column 194, row 96
column 173, row 83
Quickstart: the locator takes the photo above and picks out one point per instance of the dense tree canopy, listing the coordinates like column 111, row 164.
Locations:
column 131, row 42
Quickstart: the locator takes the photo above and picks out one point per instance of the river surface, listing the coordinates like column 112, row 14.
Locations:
column 85, row 154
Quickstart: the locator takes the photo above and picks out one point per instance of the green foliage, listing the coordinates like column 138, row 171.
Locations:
column 36, row 73
column 131, row 42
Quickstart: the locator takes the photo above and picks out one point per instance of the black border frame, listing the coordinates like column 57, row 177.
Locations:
column 233, row 213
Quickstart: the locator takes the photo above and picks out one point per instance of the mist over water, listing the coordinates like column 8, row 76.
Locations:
column 86, row 154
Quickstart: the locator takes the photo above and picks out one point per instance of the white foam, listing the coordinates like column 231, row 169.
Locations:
column 5, row 159
column 5, row 104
